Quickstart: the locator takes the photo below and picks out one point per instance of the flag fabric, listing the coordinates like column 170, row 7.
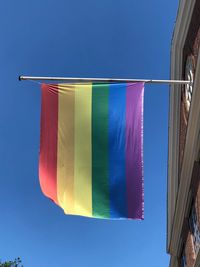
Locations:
column 91, row 148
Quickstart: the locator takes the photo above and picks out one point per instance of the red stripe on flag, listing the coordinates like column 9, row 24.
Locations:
column 48, row 141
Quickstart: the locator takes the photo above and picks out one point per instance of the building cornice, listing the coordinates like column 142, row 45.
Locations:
column 173, row 262
column 191, row 154
column 197, row 262
column 179, row 36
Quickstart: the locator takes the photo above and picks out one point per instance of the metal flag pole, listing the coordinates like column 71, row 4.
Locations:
column 100, row 80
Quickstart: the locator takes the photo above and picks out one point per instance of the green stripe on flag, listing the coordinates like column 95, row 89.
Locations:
column 100, row 179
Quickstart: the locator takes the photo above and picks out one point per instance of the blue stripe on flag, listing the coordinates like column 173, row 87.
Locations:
column 116, row 140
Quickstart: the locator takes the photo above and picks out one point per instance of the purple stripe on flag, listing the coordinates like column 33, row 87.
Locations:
column 134, row 149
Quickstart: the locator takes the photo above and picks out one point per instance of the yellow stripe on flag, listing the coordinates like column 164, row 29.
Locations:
column 83, row 150
column 65, row 150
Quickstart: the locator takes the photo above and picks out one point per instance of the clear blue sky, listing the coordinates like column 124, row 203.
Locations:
column 121, row 38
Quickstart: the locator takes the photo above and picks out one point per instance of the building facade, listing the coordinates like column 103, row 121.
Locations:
column 183, row 197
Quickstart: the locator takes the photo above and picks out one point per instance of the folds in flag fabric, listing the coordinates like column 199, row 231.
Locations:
column 91, row 148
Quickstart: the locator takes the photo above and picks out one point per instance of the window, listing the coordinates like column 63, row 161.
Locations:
column 194, row 228
column 189, row 76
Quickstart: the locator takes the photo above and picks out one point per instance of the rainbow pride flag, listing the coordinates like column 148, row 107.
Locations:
column 91, row 148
